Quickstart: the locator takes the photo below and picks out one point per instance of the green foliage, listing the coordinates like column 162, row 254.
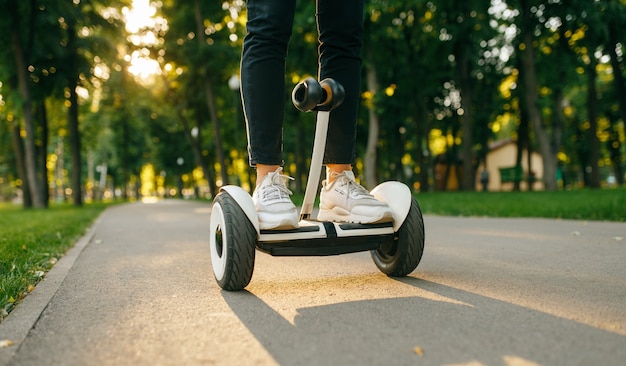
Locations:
column 443, row 66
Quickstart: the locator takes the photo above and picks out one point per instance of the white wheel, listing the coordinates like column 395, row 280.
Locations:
column 232, row 242
column 400, row 256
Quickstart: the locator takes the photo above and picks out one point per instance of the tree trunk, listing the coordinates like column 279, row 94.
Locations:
column 196, row 147
column 210, row 98
column 531, row 99
column 618, row 77
column 74, row 142
column 371, row 178
column 466, row 88
column 72, row 120
column 592, row 115
column 423, row 150
column 125, row 156
column 523, row 143
column 615, row 146
column 18, row 147
column 620, row 89
column 21, row 64
column 42, row 155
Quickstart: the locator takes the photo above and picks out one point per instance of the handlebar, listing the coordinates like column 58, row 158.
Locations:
column 311, row 95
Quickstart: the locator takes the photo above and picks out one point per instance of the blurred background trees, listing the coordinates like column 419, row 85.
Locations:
column 102, row 98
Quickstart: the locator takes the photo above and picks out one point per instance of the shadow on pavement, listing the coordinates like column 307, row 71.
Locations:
column 460, row 328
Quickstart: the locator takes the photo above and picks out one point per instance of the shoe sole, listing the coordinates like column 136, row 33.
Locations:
column 278, row 221
column 340, row 215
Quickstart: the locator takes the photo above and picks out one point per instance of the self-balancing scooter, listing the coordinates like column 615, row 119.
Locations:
column 396, row 247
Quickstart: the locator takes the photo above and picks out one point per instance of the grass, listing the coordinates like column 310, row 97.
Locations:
column 584, row 204
column 31, row 241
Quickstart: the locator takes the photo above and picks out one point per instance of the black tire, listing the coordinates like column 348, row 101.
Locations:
column 401, row 255
column 233, row 241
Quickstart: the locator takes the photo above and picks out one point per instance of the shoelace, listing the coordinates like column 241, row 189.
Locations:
column 277, row 190
column 352, row 186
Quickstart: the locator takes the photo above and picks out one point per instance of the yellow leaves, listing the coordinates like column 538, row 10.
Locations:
column 375, row 16
column 406, row 159
column 568, row 111
column 496, row 127
column 437, row 141
column 147, row 180
column 6, row 343
column 418, row 351
column 390, row 90
column 368, row 97
column 508, row 84
column 197, row 174
column 576, row 36
column 585, row 126
column 310, row 37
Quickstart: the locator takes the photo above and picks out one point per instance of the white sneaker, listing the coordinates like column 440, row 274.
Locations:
column 344, row 200
column 272, row 203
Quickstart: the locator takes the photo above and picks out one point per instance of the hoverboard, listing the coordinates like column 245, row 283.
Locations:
column 396, row 247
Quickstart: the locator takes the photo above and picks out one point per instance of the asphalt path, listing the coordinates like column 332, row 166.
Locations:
column 138, row 289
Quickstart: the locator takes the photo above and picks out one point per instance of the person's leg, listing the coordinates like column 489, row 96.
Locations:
column 263, row 93
column 340, row 27
column 269, row 28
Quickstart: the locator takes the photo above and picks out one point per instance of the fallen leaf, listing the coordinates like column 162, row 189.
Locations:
column 30, row 288
column 11, row 299
column 419, row 351
column 6, row 343
column 618, row 238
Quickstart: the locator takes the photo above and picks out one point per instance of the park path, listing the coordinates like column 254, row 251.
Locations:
column 138, row 290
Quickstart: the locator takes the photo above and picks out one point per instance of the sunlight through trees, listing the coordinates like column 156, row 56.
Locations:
column 92, row 93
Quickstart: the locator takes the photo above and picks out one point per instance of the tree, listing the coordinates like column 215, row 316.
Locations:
column 21, row 24
column 531, row 97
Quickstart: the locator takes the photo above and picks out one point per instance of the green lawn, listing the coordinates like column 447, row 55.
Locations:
column 604, row 204
column 31, row 241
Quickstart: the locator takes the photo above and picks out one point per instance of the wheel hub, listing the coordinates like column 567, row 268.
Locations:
column 219, row 241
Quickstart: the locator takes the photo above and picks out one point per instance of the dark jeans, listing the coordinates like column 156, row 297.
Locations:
column 340, row 27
